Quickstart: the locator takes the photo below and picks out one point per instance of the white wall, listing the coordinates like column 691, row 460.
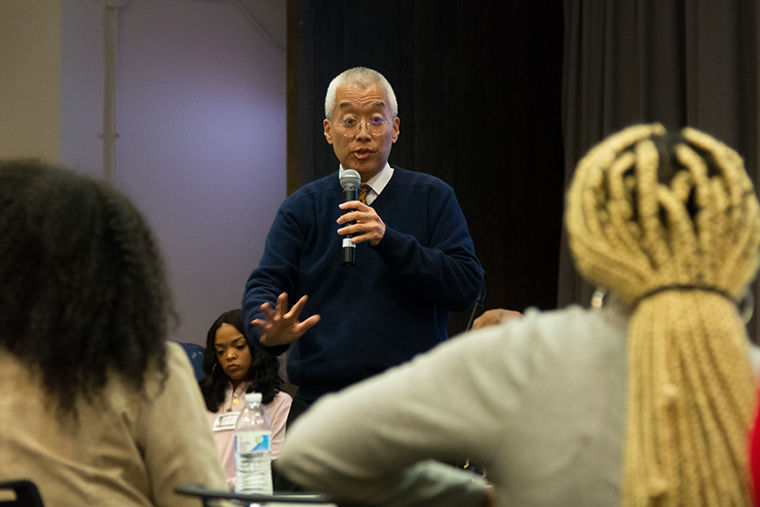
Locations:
column 30, row 72
column 201, row 110
column 81, row 107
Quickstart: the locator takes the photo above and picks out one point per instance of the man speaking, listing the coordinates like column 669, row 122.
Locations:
column 413, row 262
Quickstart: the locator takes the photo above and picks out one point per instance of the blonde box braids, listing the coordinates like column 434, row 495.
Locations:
column 670, row 223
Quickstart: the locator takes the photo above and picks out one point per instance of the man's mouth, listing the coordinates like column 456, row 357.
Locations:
column 362, row 154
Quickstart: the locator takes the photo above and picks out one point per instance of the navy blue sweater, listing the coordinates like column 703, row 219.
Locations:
column 394, row 303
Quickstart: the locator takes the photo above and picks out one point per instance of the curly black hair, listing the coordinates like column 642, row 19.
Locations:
column 83, row 293
column 263, row 372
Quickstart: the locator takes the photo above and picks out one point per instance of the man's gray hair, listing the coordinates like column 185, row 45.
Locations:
column 362, row 78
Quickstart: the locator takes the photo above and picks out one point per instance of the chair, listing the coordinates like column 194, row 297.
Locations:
column 26, row 493
column 195, row 354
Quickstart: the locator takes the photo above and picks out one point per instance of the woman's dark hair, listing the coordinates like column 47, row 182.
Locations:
column 263, row 373
column 83, row 293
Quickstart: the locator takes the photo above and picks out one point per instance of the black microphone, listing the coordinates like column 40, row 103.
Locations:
column 349, row 182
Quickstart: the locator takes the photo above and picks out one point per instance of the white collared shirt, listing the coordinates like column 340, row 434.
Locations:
column 377, row 183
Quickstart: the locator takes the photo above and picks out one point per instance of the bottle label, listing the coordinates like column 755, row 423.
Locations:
column 253, row 441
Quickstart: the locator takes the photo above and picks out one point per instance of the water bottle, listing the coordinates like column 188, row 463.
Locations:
column 253, row 440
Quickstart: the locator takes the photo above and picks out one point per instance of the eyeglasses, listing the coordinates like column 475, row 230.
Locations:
column 351, row 126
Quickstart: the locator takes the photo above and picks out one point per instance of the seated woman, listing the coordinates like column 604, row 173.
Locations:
column 646, row 401
column 232, row 370
column 97, row 407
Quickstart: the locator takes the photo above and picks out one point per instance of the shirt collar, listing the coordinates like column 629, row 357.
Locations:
column 378, row 182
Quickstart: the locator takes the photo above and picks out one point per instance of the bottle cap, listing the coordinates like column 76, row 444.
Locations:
column 253, row 397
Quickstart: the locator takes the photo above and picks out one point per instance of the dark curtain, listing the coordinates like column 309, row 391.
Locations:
column 680, row 63
column 479, row 92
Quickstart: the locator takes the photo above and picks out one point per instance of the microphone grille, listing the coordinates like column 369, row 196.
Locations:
column 350, row 179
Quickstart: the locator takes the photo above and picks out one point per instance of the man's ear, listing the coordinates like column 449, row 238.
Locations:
column 328, row 130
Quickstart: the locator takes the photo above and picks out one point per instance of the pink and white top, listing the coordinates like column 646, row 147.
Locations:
column 222, row 425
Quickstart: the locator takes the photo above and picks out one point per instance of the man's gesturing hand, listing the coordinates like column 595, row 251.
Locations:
column 280, row 326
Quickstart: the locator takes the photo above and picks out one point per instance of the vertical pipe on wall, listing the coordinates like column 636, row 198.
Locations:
column 110, row 133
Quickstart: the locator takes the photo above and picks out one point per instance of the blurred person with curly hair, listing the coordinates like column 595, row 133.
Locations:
column 90, row 384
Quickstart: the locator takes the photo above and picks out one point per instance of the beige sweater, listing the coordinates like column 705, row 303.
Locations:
column 539, row 401
column 125, row 450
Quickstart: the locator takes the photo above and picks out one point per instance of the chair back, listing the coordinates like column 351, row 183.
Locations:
column 25, row 491
column 195, row 354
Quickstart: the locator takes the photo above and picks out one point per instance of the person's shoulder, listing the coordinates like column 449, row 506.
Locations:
column 572, row 327
column 421, row 183
column 314, row 190
column 178, row 374
column 568, row 340
column 178, row 363
column 282, row 399
column 319, row 185
column 416, row 177
column 279, row 407
column 284, row 396
column 576, row 330
column 175, row 352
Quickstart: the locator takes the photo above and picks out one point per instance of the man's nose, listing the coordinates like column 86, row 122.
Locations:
column 363, row 131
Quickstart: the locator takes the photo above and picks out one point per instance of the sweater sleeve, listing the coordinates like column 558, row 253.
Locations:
column 277, row 271
column 444, row 270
